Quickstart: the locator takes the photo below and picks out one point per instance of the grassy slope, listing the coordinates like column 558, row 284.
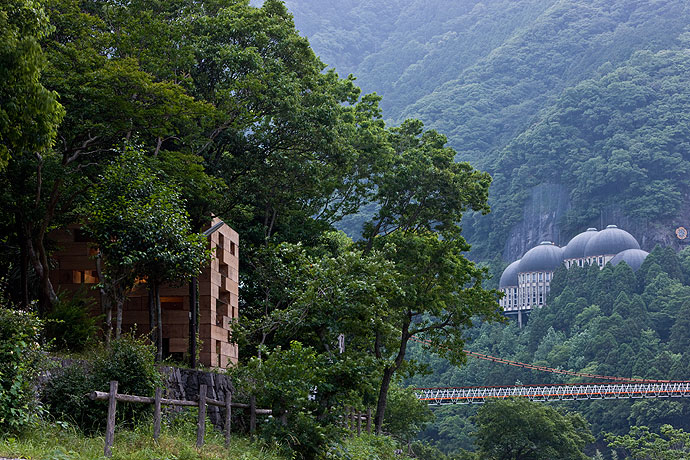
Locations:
column 62, row 442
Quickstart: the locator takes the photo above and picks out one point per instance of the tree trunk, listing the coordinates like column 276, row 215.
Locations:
column 23, row 267
column 383, row 398
column 152, row 314
column 39, row 259
column 388, row 373
column 108, row 320
column 106, row 303
column 118, row 320
column 193, row 312
column 159, row 323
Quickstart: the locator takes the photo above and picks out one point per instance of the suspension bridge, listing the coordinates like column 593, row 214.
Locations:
column 614, row 388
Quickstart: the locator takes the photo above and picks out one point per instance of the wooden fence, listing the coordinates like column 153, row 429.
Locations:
column 113, row 397
column 353, row 420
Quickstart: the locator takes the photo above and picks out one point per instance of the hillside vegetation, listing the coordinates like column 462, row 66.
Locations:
column 522, row 87
column 609, row 322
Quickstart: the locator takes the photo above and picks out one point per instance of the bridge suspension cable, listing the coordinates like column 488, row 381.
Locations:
column 552, row 370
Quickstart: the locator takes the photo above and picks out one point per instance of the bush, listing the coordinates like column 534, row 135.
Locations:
column 65, row 399
column 128, row 360
column 70, row 325
column 364, row 447
column 19, row 357
column 405, row 415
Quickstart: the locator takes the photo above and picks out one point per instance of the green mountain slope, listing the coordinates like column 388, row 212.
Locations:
column 493, row 76
column 494, row 100
column 620, row 145
column 404, row 50
column 610, row 322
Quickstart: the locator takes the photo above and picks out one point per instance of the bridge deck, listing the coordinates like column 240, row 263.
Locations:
column 477, row 395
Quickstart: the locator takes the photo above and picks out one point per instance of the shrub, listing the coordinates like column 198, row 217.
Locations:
column 70, row 325
column 65, row 398
column 19, row 357
column 364, row 447
column 128, row 360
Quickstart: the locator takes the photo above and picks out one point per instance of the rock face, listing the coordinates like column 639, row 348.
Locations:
column 184, row 384
column 542, row 216
column 545, row 212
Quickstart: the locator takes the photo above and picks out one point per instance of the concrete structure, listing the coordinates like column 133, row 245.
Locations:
column 217, row 298
column 526, row 282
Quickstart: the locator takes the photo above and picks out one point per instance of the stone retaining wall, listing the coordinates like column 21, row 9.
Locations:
column 184, row 384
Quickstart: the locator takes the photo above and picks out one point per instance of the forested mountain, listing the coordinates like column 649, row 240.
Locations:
column 618, row 143
column 579, row 110
column 609, row 322
column 405, row 50
column 494, row 76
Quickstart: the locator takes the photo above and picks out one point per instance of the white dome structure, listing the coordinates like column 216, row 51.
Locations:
column 632, row 257
column 526, row 283
column 509, row 286
column 603, row 246
column 574, row 252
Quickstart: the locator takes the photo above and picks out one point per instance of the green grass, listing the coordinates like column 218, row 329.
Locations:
column 61, row 441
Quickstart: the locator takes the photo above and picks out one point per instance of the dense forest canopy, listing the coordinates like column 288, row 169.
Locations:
column 166, row 113
column 606, row 322
column 578, row 109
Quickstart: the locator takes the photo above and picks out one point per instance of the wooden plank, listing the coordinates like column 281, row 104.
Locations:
column 110, row 428
column 100, row 395
column 228, row 417
column 252, row 414
column 157, row 414
column 103, row 396
column 201, row 427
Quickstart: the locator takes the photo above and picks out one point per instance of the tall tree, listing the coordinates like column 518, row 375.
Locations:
column 142, row 230
column 29, row 113
column 422, row 195
column 642, row 444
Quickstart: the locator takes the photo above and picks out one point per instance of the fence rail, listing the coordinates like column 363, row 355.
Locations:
column 353, row 419
column 113, row 397
column 477, row 395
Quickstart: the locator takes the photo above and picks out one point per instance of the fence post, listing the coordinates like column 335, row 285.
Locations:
column 201, row 427
column 359, row 423
column 369, row 420
column 252, row 414
column 157, row 414
column 228, row 417
column 110, row 428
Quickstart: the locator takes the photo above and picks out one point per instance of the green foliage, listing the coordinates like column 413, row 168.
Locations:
column 71, row 325
column 519, row 429
column 19, row 359
column 286, row 380
column 140, row 224
column 127, row 360
column 642, row 333
column 65, row 398
column 641, row 443
column 405, row 416
column 588, row 142
column 29, row 113
column 362, row 447
column 61, row 441
column 586, row 95
column 425, row 451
